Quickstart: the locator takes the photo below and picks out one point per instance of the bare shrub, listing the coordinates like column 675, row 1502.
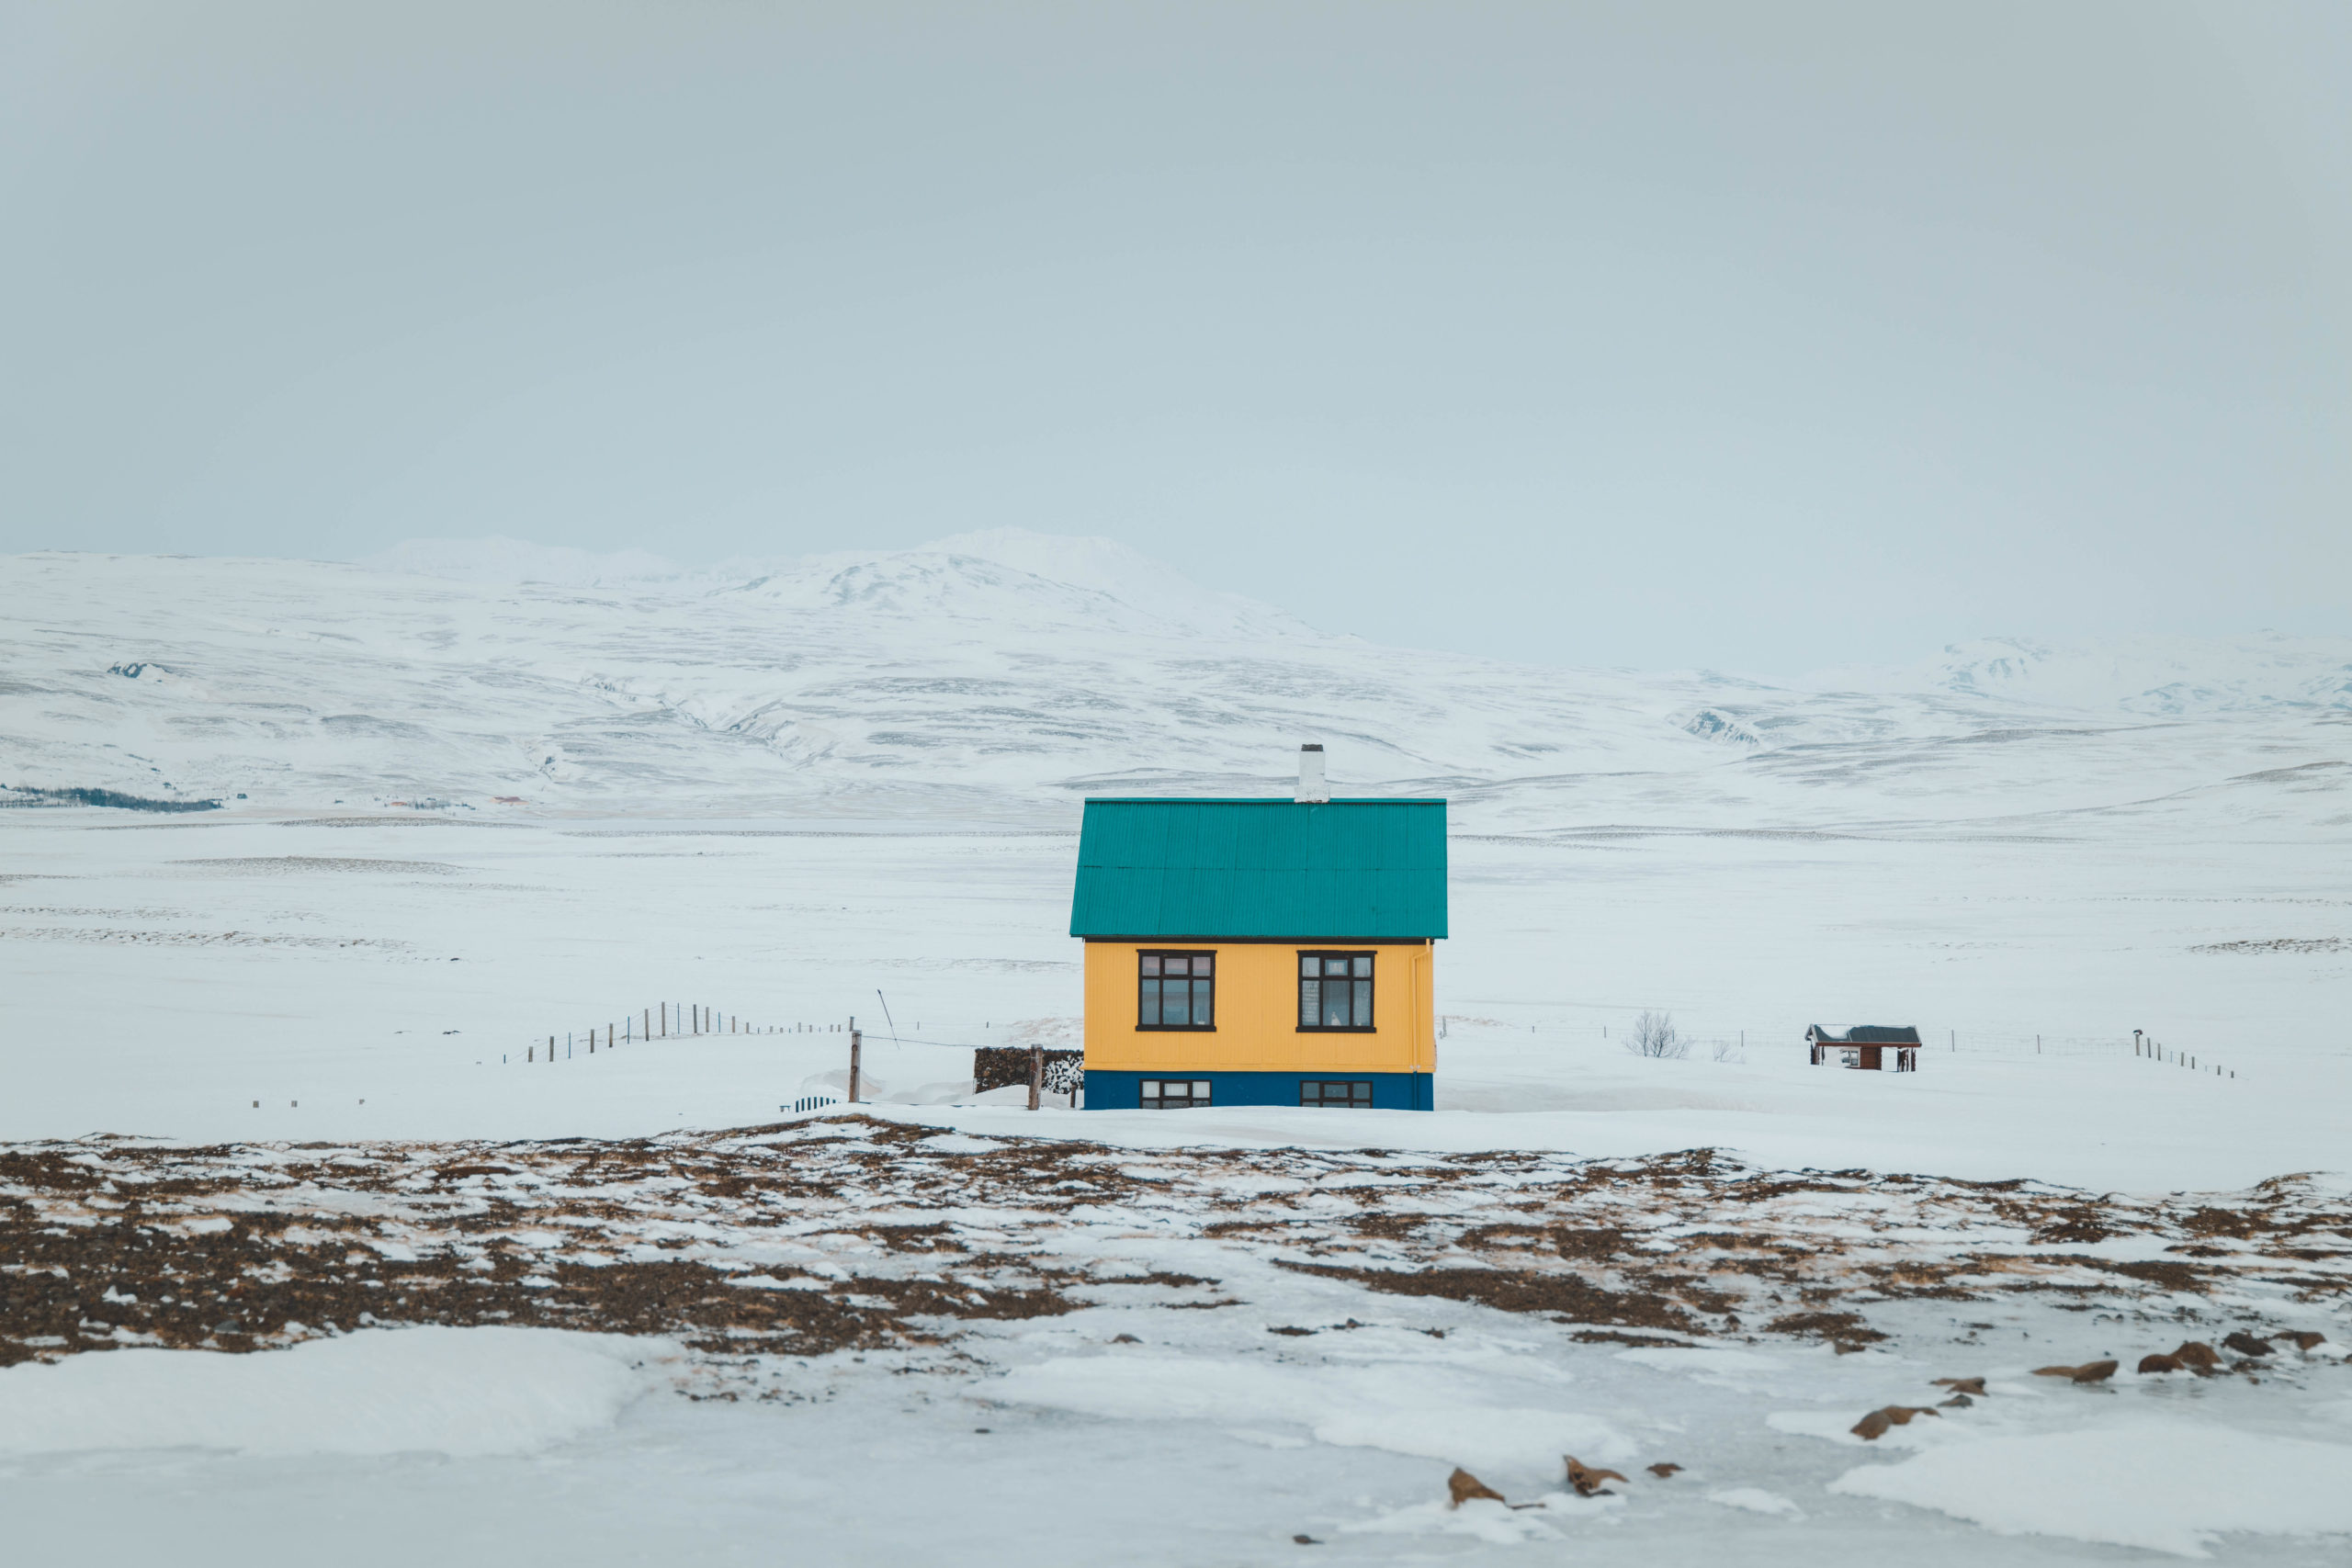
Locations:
column 1729, row 1051
column 1655, row 1036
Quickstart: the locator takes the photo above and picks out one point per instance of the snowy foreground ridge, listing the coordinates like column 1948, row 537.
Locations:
column 1236, row 1323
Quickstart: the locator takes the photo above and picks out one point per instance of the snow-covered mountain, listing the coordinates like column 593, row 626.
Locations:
column 1002, row 574
column 1009, row 673
column 500, row 559
column 2161, row 676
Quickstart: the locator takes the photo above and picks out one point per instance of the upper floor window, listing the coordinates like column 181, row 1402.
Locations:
column 1335, row 990
column 1176, row 991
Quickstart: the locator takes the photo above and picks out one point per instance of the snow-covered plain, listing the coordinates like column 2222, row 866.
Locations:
column 778, row 791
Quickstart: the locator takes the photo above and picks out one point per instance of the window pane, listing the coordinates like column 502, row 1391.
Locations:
column 1310, row 1001
column 1309, row 966
column 1200, row 1089
column 1201, row 1004
column 1364, row 965
column 1335, row 966
column 1172, row 1008
column 1363, row 1095
column 1335, row 1005
column 1173, row 966
column 1150, row 964
column 1150, row 1010
column 1364, row 1004
column 1201, row 964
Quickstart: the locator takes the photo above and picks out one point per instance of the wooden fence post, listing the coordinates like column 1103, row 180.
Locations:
column 855, row 1065
column 1037, row 1073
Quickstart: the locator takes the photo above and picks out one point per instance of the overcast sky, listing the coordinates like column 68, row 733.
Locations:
column 1761, row 337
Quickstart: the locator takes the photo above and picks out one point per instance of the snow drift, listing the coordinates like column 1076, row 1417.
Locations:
column 453, row 1391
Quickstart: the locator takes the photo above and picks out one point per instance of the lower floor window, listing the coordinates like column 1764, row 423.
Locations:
column 1354, row 1093
column 1177, row 1094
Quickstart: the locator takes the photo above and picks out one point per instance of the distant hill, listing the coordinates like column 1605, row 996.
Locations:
column 1007, row 675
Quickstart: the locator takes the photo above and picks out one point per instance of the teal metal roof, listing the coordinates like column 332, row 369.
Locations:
column 1340, row 869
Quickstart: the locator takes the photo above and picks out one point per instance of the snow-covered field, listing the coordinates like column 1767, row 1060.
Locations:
column 777, row 794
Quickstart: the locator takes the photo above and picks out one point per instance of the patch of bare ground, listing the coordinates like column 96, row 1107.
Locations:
column 1846, row 1330
column 855, row 1233
column 1564, row 1295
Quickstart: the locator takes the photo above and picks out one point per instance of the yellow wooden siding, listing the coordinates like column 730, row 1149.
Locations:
column 1257, row 1014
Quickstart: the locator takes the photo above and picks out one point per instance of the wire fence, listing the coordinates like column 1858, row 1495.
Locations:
column 651, row 1025
column 667, row 1020
column 1744, row 1046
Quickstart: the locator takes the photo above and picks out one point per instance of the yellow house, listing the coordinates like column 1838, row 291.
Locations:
column 1260, row 952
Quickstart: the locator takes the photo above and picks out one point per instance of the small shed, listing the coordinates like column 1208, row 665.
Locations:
column 1865, row 1045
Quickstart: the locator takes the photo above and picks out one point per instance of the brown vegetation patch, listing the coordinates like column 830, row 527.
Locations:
column 1845, row 1330
column 1516, row 1291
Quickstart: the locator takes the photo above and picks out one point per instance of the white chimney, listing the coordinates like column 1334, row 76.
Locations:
column 1312, row 790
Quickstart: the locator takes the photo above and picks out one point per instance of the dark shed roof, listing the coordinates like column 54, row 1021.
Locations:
column 1332, row 871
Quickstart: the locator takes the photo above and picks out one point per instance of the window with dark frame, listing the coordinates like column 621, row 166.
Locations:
column 1351, row 1094
column 1176, row 991
column 1335, row 991
column 1175, row 1094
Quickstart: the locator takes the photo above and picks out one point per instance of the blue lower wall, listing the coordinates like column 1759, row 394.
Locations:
column 1390, row 1091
